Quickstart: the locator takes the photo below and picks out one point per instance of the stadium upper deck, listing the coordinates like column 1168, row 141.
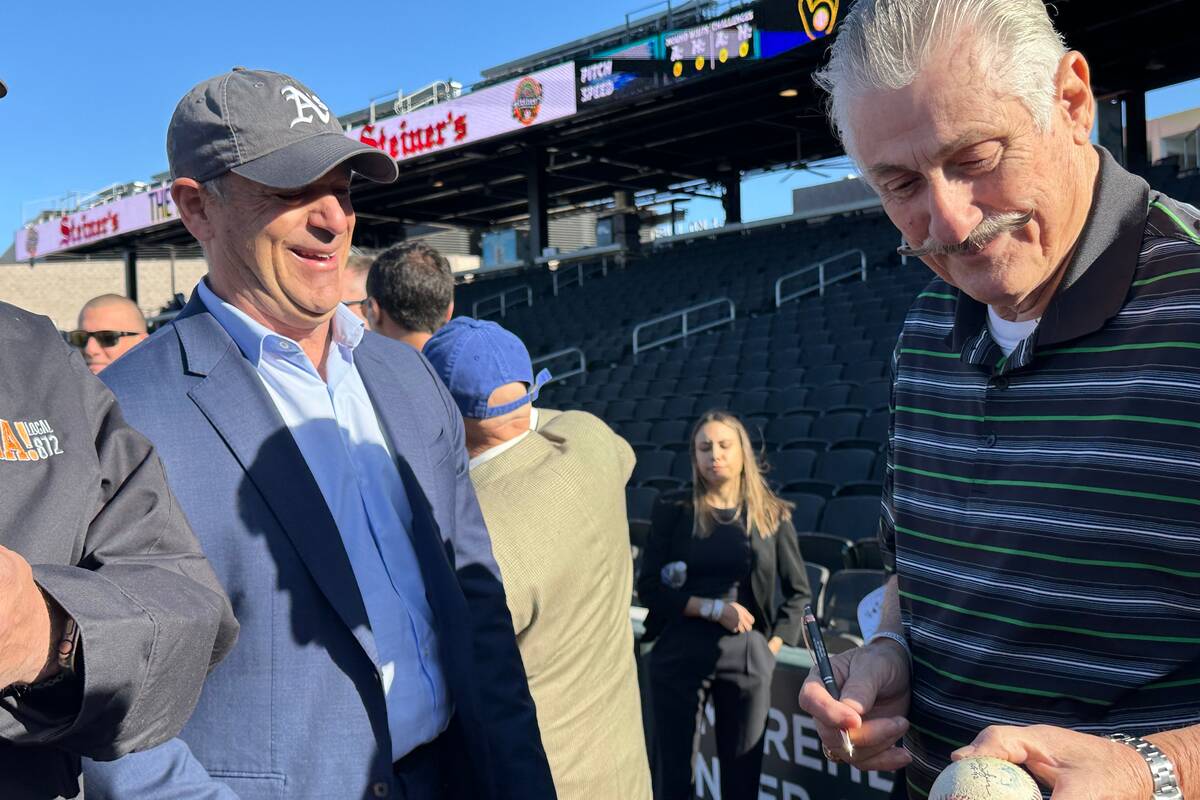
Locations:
column 685, row 101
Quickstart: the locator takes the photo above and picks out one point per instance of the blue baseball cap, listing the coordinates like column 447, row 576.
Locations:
column 474, row 358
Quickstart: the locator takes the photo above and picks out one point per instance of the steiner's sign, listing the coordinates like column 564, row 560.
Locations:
column 507, row 107
column 134, row 213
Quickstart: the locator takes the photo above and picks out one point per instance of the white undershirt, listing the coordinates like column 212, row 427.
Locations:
column 1009, row 334
column 489, row 454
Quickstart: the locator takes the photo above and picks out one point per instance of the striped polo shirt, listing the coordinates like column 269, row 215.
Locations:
column 1042, row 511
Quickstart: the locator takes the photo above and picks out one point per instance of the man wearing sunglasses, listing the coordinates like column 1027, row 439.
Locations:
column 109, row 327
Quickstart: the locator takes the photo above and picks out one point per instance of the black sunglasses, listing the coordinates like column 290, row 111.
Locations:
column 103, row 338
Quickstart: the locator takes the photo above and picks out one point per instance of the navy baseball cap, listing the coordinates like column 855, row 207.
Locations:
column 474, row 358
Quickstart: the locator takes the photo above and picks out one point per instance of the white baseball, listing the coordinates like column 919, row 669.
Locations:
column 984, row 778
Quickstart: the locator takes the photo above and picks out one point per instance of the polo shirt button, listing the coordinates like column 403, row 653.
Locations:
column 990, row 440
column 380, row 789
column 1000, row 383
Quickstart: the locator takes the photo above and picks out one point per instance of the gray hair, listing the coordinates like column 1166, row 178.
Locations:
column 218, row 187
column 884, row 44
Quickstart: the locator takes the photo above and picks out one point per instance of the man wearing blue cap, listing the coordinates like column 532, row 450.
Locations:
column 324, row 472
column 552, row 489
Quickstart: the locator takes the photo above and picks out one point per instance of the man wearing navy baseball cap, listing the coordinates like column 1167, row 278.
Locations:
column 324, row 472
column 552, row 489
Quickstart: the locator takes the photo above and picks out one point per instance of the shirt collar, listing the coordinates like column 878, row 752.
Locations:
column 492, row 452
column 250, row 335
column 1100, row 270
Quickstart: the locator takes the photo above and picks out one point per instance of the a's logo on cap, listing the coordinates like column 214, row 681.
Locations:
column 305, row 102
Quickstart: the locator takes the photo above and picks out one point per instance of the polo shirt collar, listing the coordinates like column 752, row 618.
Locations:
column 1101, row 269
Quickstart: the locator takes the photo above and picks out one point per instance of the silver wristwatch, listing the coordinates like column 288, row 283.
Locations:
column 1162, row 771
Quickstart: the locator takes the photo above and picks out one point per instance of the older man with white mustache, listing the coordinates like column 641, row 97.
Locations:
column 1041, row 506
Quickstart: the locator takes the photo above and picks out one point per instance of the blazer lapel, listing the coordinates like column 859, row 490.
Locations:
column 237, row 405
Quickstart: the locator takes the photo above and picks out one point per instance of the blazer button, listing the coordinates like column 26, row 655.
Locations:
column 380, row 789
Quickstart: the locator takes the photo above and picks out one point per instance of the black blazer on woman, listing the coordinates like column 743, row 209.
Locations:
column 776, row 557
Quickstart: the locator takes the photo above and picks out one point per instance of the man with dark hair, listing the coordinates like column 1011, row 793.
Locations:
column 412, row 293
column 354, row 287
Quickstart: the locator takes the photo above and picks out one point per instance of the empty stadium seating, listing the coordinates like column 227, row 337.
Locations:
column 809, row 379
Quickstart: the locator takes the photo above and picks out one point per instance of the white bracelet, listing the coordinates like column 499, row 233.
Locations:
column 895, row 637
column 718, row 610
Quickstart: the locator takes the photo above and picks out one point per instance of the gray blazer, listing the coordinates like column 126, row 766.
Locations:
column 84, row 499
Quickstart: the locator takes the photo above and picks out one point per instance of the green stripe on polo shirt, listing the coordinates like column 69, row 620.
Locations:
column 1177, row 273
column 1191, row 233
column 1004, row 687
column 1171, row 684
column 1045, row 626
column 1116, row 348
column 926, row 732
column 932, row 353
column 937, row 296
column 1070, row 487
column 1185, row 423
column 1084, row 562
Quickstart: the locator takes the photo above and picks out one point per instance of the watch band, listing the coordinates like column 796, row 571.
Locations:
column 1162, row 771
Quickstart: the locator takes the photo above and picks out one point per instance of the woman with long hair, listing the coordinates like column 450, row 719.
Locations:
column 709, row 576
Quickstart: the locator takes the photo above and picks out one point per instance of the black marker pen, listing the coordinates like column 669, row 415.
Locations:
column 820, row 657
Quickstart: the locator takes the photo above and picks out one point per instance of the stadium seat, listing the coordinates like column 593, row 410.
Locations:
column 807, row 510
column 843, row 466
column 782, row 429
column 866, row 553
column 815, row 445
column 820, row 488
column 829, row 395
column 791, row 465
column 818, row 576
column 654, row 464
column 832, row 552
column 875, row 427
column 639, row 502
column 854, row 517
column 635, row 431
column 872, row 489
column 836, row 425
column 843, row 592
column 681, row 408
column 682, row 466
column 670, row 432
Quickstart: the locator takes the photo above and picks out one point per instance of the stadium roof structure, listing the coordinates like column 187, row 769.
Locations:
column 653, row 138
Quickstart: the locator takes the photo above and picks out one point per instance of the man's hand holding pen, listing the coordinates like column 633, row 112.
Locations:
column 874, row 683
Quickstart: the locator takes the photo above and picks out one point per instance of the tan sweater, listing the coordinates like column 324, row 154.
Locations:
column 555, row 508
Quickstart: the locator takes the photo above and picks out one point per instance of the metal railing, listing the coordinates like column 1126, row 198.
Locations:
column 822, row 280
column 684, row 329
column 576, row 273
column 504, row 303
column 557, row 354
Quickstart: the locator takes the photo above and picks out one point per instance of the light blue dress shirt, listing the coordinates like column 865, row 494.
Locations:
column 339, row 435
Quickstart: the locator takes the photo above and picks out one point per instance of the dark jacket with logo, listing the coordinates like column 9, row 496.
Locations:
column 84, row 500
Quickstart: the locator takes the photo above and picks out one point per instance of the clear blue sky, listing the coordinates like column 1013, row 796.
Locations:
column 92, row 85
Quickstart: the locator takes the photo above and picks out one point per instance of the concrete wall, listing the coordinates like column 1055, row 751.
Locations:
column 59, row 289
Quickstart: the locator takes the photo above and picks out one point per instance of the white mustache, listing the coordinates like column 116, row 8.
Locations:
column 984, row 233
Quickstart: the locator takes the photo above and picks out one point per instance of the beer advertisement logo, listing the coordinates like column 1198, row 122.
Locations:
column 818, row 16
column 527, row 101
column 31, row 241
